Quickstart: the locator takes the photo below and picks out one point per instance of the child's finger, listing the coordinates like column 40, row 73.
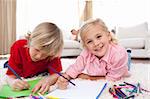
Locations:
column 45, row 90
column 17, row 85
column 63, row 85
column 36, row 88
column 53, row 87
column 26, row 84
column 23, row 84
column 43, row 87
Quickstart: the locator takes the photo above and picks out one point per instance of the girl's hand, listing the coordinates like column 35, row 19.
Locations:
column 17, row 84
column 44, row 84
column 63, row 83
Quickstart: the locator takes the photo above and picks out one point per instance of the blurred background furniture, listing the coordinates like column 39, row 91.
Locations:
column 71, row 48
column 137, row 38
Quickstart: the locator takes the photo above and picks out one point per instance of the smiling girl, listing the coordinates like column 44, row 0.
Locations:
column 101, row 58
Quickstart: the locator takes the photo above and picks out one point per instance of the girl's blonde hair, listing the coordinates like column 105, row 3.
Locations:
column 92, row 22
column 48, row 38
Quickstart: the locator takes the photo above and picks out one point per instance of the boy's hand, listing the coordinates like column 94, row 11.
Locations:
column 44, row 84
column 63, row 83
column 17, row 84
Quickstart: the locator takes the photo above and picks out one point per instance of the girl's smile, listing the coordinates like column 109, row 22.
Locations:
column 97, row 41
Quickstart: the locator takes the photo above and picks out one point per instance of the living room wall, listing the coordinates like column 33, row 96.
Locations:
column 32, row 12
column 122, row 12
column 66, row 13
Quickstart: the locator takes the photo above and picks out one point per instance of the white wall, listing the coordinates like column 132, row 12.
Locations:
column 65, row 13
column 32, row 12
column 122, row 12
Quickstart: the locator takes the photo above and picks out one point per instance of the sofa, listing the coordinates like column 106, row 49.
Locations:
column 137, row 38
column 71, row 48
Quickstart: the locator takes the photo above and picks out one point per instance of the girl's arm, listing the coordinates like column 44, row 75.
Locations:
column 88, row 77
column 119, row 67
column 75, row 69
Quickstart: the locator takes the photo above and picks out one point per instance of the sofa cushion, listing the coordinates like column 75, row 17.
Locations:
column 137, row 31
column 71, row 44
column 133, row 43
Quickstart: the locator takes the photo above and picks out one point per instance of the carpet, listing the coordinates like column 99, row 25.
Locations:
column 140, row 73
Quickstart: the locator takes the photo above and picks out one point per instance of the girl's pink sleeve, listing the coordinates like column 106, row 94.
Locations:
column 75, row 69
column 119, row 67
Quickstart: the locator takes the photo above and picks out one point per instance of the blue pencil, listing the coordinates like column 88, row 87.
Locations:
column 61, row 75
column 101, row 90
column 14, row 72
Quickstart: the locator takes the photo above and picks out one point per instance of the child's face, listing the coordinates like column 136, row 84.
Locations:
column 97, row 41
column 36, row 54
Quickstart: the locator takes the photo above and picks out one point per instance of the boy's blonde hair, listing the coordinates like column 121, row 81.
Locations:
column 48, row 38
column 92, row 22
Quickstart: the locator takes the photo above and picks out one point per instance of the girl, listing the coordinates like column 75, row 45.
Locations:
column 33, row 56
column 101, row 57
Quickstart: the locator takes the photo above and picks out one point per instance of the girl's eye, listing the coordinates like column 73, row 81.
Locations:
column 99, row 36
column 89, row 42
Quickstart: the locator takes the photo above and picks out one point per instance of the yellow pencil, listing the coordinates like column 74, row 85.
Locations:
column 52, row 97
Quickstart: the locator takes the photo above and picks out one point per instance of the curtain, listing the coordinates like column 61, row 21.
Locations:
column 7, row 25
column 87, row 11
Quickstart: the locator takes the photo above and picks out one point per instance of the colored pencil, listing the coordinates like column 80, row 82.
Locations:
column 52, row 97
column 61, row 75
column 14, row 72
column 97, row 97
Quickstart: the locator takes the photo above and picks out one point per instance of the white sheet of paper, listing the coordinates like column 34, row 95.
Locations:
column 84, row 89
